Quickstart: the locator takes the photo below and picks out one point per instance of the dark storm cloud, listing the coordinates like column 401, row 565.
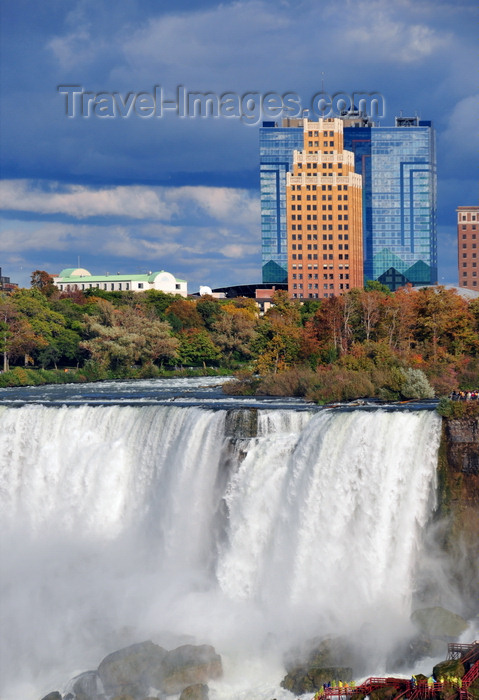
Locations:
column 417, row 55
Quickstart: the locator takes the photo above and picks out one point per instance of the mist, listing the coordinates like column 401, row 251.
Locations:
column 127, row 523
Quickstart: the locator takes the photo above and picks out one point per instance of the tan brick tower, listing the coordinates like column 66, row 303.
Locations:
column 324, row 215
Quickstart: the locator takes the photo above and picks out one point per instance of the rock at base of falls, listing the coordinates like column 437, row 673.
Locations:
column 136, row 671
column 437, row 622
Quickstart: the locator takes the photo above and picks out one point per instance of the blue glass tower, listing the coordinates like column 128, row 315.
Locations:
column 398, row 165
column 277, row 144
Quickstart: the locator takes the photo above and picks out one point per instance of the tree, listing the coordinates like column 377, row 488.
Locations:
column 376, row 286
column 285, row 307
column 42, row 281
column 444, row 320
column 399, row 318
column 246, row 305
column 234, row 333
column 329, row 324
column 118, row 338
column 155, row 302
column 8, row 316
column 196, row 347
column 278, row 344
column 209, row 309
column 182, row 314
column 42, row 326
column 370, row 312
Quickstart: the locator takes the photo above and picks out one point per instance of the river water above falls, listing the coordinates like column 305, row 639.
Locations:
column 164, row 510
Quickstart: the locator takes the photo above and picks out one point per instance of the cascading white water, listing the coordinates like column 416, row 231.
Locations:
column 114, row 530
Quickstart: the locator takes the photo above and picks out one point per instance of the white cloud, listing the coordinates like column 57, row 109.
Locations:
column 74, row 49
column 221, row 203
column 215, row 229
column 81, row 202
column 463, row 121
column 393, row 35
column 134, row 201
column 206, row 37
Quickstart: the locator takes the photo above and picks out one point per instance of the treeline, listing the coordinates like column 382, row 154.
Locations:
column 371, row 342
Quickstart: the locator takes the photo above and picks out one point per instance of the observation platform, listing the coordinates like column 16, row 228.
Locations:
column 412, row 689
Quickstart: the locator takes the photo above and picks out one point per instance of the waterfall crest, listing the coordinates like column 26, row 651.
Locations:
column 124, row 522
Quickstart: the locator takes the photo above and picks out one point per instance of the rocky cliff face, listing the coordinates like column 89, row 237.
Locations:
column 459, row 504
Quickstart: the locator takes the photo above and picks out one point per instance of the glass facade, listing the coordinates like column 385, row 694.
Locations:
column 398, row 165
column 276, row 159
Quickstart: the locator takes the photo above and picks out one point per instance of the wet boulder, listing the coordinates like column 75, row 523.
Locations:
column 195, row 692
column 140, row 669
column 133, row 670
column 451, row 668
column 309, row 679
column 315, row 662
column 54, row 695
column 190, row 665
column 437, row 622
column 87, row 686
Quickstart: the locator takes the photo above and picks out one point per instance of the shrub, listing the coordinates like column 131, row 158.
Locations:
column 455, row 410
column 293, row 382
column 338, row 384
column 416, row 385
column 21, row 376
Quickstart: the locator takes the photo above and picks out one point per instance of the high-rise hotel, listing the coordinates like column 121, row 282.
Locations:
column 323, row 215
column 398, row 168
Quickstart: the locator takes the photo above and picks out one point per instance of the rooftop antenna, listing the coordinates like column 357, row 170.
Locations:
column 78, row 261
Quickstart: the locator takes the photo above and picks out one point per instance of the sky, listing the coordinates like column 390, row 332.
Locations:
column 128, row 179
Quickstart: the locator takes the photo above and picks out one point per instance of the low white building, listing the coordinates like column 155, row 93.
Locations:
column 79, row 278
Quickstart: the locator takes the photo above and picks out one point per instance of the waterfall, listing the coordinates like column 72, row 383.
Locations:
column 123, row 523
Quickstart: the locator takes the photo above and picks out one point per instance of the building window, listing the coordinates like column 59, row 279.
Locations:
column 140, row 285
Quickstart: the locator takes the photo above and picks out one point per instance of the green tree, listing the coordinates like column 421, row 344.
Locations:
column 209, row 309
column 8, row 317
column 277, row 345
column 119, row 338
column 375, row 286
column 155, row 302
column 234, row 333
column 196, row 347
column 42, row 326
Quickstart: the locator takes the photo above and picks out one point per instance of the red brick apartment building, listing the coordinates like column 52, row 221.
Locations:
column 467, row 246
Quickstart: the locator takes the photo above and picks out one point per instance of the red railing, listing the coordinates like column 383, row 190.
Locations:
column 462, row 651
column 410, row 689
column 471, row 675
column 472, row 654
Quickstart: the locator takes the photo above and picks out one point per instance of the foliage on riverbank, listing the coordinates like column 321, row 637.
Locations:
column 456, row 410
column 21, row 376
column 367, row 343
